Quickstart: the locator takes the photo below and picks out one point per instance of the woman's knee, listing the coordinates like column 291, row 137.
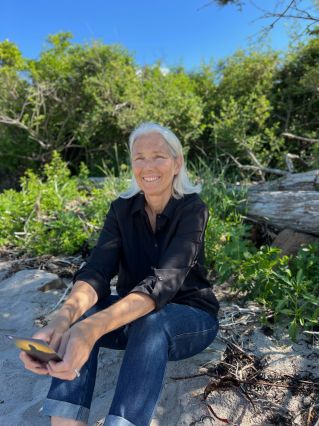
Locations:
column 148, row 327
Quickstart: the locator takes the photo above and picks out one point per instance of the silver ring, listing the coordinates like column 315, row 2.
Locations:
column 76, row 371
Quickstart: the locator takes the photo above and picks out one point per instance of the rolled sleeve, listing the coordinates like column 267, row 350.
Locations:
column 102, row 265
column 178, row 259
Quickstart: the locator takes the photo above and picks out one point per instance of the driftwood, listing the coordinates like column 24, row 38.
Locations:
column 308, row 181
column 289, row 202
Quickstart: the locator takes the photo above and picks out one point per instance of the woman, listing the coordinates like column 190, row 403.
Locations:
column 165, row 309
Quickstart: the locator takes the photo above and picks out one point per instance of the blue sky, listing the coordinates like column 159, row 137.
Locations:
column 176, row 32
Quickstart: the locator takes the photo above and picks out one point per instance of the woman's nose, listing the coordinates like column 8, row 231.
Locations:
column 149, row 162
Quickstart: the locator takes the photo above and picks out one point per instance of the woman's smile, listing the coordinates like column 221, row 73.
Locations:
column 151, row 178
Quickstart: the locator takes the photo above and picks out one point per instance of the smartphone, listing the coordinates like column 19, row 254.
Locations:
column 36, row 348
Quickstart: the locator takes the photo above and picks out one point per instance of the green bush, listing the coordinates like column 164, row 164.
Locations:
column 289, row 286
column 55, row 213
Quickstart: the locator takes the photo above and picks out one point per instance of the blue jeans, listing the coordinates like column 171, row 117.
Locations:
column 171, row 334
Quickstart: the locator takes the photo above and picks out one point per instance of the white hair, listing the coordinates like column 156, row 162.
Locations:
column 181, row 183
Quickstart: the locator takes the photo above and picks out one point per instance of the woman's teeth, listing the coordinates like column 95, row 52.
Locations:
column 150, row 179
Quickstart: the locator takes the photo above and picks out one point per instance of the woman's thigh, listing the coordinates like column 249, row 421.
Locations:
column 116, row 339
column 188, row 330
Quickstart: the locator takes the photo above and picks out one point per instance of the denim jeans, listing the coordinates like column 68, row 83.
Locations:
column 175, row 332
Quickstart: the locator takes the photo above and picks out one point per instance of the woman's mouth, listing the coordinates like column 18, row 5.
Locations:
column 150, row 178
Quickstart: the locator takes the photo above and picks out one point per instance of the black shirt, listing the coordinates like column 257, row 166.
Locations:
column 167, row 265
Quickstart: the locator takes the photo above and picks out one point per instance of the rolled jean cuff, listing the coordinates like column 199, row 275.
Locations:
column 112, row 420
column 52, row 407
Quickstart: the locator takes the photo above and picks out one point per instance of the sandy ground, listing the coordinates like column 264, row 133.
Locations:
column 182, row 402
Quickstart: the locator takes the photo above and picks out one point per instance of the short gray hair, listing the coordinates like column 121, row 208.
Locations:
column 181, row 183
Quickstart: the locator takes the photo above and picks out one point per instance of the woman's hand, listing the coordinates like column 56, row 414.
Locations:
column 51, row 334
column 75, row 348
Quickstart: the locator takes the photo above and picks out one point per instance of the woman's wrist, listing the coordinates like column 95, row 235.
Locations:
column 63, row 319
column 81, row 298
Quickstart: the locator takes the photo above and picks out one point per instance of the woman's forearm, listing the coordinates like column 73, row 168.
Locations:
column 126, row 310
column 82, row 297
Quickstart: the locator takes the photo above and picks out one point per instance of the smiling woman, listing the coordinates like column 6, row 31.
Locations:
column 154, row 169
column 164, row 310
column 165, row 145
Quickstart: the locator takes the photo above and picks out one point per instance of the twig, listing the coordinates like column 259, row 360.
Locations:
column 215, row 415
column 282, row 14
column 257, row 168
column 300, row 138
column 188, row 377
column 61, row 298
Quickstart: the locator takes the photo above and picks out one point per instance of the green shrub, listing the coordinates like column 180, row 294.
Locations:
column 55, row 213
column 289, row 286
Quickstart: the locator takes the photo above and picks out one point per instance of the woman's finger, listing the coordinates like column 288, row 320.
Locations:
column 32, row 365
column 45, row 335
column 59, row 367
column 56, row 341
column 63, row 344
column 68, row 374
column 29, row 361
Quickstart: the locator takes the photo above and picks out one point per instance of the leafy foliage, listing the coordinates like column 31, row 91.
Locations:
column 287, row 285
column 284, row 284
column 54, row 213
column 84, row 100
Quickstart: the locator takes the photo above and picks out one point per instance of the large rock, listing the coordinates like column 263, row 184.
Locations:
column 290, row 241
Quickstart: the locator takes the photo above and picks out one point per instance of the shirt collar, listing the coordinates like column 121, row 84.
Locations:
column 139, row 203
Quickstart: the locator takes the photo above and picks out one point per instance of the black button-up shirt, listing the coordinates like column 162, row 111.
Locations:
column 167, row 265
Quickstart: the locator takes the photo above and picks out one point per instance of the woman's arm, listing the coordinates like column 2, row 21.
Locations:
column 82, row 297
column 126, row 310
column 84, row 334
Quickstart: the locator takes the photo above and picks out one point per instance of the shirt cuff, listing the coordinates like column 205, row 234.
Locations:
column 163, row 286
column 94, row 279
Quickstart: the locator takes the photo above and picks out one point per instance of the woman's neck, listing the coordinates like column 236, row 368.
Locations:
column 157, row 204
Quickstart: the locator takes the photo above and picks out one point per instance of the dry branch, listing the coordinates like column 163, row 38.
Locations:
column 300, row 138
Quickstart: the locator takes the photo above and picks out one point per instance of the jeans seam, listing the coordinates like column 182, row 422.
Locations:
column 196, row 332
column 87, row 387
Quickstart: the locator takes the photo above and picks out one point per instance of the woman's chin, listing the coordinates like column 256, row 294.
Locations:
column 151, row 192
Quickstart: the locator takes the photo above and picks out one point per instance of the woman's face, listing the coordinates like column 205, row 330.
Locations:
column 153, row 165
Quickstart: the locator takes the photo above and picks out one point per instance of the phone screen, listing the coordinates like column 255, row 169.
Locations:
column 36, row 348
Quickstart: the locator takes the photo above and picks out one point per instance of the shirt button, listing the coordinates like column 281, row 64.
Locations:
column 155, row 245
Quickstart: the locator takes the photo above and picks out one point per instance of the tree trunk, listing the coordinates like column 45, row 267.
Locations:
column 308, row 181
column 286, row 209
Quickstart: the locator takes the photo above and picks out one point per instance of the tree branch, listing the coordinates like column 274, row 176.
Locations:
column 300, row 138
column 16, row 123
column 258, row 168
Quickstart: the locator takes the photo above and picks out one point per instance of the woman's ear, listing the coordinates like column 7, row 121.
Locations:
column 178, row 164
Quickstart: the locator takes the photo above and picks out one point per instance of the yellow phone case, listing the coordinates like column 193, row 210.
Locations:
column 36, row 348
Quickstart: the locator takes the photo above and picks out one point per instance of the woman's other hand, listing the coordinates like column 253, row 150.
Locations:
column 51, row 334
column 75, row 348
